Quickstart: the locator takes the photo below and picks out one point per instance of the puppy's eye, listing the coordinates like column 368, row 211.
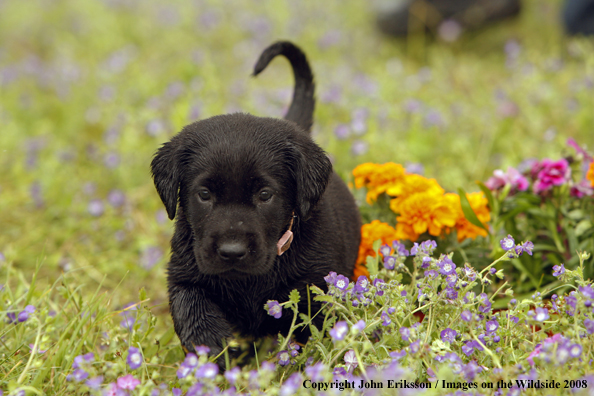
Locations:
column 265, row 195
column 204, row 194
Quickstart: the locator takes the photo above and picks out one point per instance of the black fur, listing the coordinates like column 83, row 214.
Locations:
column 236, row 181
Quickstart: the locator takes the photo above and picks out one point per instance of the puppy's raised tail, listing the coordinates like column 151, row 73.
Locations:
column 302, row 106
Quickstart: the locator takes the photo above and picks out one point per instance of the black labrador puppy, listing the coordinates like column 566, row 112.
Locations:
column 259, row 213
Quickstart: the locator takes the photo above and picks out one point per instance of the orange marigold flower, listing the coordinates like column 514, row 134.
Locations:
column 370, row 233
column 412, row 184
column 377, row 178
column 590, row 174
column 479, row 204
column 425, row 212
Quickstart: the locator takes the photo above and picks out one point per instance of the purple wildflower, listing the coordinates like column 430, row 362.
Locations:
column 451, row 293
column 587, row 291
column 452, row 279
column 562, row 354
column 359, row 326
column 424, row 249
column 77, row 375
column 575, row 350
column 284, row 358
column 491, row 326
column 291, row 385
column 541, row 315
column 507, row 243
column 202, row 350
column 446, row 266
column 339, row 331
column 386, row 321
column 415, row 347
column 330, row 278
column 431, row 274
column 342, row 131
column 426, row 263
column 486, row 308
column 96, row 207
column 274, row 309
column 559, row 270
column 341, row 282
column 116, row 198
column 379, row 284
column 468, row 348
column 128, row 322
column 448, row 335
column 470, row 371
column 362, row 284
column 466, row 316
column 359, row 147
column 389, row 262
column 191, row 360
column 385, row 250
column 233, row 375
column 134, row 359
column 81, row 360
column 315, row 372
column 397, row 355
column 183, row 370
column 405, row 333
column 208, row 370
column 470, row 273
column 589, row 325
column 95, row 382
column 23, row 316
column 294, row 349
column 399, row 249
column 525, row 247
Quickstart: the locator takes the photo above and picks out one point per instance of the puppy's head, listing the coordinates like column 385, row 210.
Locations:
column 238, row 180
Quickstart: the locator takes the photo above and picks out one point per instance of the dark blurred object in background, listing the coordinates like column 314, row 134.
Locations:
column 578, row 16
column 415, row 16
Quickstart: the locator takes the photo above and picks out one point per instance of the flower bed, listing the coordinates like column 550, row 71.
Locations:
column 415, row 318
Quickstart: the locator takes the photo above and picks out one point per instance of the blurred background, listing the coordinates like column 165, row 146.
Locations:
column 89, row 90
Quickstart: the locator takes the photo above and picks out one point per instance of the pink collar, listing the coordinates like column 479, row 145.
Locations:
column 283, row 244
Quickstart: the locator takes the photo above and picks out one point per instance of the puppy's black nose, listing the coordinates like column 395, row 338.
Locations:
column 232, row 251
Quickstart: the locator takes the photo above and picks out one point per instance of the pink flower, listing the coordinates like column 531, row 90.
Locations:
column 582, row 189
column 512, row 177
column 128, row 382
column 551, row 173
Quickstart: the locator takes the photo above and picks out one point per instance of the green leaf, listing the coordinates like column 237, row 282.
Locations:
column 468, row 212
column 371, row 264
column 294, row 296
column 142, row 294
column 323, row 298
column 315, row 290
column 582, row 227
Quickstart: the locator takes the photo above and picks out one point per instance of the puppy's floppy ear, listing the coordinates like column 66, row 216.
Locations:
column 312, row 171
column 166, row 175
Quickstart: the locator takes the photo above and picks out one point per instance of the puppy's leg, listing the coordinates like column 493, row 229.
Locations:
column 197, row 320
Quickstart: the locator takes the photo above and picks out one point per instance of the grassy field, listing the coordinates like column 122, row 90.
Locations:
column 89, row 90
